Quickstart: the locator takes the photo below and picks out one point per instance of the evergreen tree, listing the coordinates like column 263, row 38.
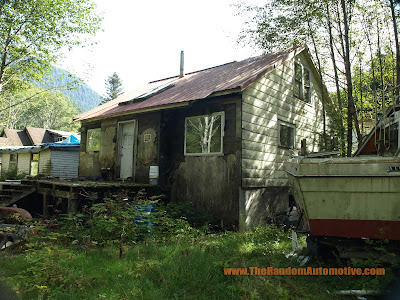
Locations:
column 113, row 88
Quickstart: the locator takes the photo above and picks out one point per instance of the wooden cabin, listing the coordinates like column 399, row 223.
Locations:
column 218, row 137
column 39, row 151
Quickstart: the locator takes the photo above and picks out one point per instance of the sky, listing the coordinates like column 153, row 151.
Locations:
column 141, row 41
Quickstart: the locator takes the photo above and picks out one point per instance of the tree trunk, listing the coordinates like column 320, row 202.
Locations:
column 339, row 98
column 322, row 82
column 396, row 38
column 347, row 64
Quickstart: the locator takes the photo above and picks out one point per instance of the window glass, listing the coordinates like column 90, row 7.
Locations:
column 298, row 81
column 12, row 167
column 307, row 85
column 203, row 134
column 286, row 135
column 13, row 158
column 93, row 139
column 35, row 164
column 302, row 82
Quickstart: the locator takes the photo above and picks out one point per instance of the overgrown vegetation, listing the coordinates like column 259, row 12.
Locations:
column 165, row 255
column 12, row 174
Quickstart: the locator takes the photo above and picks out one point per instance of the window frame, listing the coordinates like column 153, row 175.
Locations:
column 220, row 153
column 13, row 163
column 33, row 161
column 87, row 139
column 303, row 86
column 289, row 125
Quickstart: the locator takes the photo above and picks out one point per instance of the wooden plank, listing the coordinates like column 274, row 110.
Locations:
column 263, row 165
column 282, row 109
column 263, row 182
column 258, row 120
column 5, row 162
column 255, row 155
column 45, row 162
column 273, row 131
column 257, row 138
column 264, row 173
column 252, row 163
column 256, row 107
column 24, row 163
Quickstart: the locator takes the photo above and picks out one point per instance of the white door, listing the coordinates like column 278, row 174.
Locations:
column 127, row 138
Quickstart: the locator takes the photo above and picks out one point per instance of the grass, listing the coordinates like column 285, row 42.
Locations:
column 185, row 266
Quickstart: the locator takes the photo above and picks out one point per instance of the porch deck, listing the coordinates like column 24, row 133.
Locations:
column 75, row 193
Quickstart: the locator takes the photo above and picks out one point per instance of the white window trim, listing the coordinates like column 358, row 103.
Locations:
column 222, row 114
column 291, row 125
column 301, row 96
column 87, row 140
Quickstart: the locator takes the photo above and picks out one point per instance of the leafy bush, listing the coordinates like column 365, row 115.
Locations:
column 12, row 174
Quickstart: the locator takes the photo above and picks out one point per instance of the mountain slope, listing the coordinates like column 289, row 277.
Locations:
column 80, row 93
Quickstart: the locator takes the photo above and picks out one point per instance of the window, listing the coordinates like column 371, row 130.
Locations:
column 287, row 134
column 204, row 134
column 298, row 83
column 13, row 161
column 35, row 164
column 93, row 139
column 302, row 82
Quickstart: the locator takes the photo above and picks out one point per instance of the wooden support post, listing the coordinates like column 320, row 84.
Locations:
column 45, row 205
column 72, row 205
column 303, row 147
column 72, row 201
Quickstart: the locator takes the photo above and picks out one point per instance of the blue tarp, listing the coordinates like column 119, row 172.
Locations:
column 72, row 139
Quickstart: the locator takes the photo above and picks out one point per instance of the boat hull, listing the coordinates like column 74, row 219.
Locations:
column 349, row 198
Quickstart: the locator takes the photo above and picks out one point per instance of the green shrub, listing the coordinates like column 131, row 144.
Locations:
column 12, row 174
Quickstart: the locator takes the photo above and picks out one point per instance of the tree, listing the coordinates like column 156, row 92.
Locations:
column 344, row 25
column 113, row 88
column 34, row 106
column 33, row 33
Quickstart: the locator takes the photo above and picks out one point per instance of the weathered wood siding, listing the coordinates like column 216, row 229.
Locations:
column 89, row 161
column 264, row 103
column 210, row 182
column 24, row 163
column 5, row 162
column 108, row 143
column 64, row 163
column 45, row 162
column 147, row 153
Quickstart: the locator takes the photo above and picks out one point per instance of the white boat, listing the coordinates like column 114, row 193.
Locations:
column 356, row 197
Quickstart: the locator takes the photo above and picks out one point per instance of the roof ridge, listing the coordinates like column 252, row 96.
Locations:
column 194, row 72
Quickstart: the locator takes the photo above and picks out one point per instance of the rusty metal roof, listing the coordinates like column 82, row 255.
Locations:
column 230, row 77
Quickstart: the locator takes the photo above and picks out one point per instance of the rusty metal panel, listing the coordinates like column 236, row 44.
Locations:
column 234, row 76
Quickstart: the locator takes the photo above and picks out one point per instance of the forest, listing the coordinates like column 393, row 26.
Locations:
column 355, row 47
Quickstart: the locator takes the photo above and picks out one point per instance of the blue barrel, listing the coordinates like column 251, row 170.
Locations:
column 144, row 217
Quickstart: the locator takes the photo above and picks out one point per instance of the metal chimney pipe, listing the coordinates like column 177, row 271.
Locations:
column 182, row 61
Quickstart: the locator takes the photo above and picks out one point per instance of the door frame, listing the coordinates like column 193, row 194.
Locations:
column 119, row 140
